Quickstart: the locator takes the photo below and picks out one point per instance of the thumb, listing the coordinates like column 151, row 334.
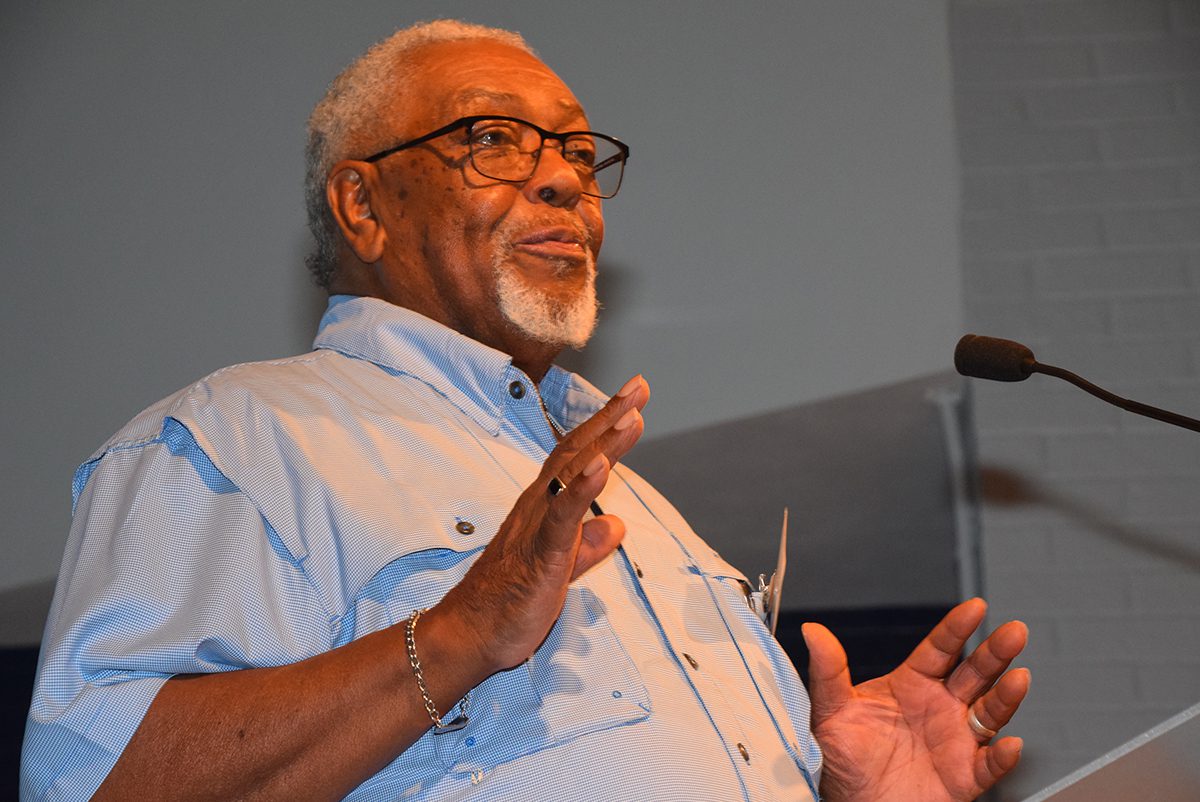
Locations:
column 601, row 536
column 828, row 672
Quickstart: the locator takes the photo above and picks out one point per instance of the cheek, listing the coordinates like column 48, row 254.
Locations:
column 595, row 225
column 465, row 228
column 480, row 212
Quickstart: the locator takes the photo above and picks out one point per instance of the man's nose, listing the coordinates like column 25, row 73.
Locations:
column 554, row 180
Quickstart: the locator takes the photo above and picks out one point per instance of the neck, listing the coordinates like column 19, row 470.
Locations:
column 355, row 282
column 534, row 358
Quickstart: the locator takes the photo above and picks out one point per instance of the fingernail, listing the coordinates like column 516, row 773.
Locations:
column 594, row 466
column 630, row 386
column 627, row 420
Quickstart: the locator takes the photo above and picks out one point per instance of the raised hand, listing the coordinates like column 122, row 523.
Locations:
column 908, row 736
column 254, row 733
column 511, row 597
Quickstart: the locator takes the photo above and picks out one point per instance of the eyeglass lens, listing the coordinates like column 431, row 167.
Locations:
column 508, row 151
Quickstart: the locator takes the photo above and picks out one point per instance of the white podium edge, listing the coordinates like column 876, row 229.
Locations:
column 1118, row 753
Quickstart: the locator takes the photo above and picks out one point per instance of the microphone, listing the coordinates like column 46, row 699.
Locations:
column 1007, row 361
column 993, row 358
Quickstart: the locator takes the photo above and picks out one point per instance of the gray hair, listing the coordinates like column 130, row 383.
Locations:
column 349, row 120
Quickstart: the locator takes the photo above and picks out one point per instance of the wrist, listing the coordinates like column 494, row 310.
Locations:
column 454, row 719
column 478, row 631
column 450, row 653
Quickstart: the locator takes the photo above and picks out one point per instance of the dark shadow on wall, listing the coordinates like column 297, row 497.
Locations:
column 17, row 666
column 1004, row 487
column 24, row 615
column 877, row 639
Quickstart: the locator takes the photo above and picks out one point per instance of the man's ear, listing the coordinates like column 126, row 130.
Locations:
column 349, row 192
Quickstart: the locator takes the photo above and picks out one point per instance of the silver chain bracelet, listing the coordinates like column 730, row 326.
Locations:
column 410, row 628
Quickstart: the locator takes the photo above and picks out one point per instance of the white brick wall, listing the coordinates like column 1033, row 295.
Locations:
column 1079, row 135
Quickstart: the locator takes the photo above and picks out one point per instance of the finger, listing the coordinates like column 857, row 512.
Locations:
column 561, row 527
column 601, row 536
column 991, row 659
column 941, row 648
column 634, row 395
column 996, row 707
column 994, row 761
column 829, row 684
column 611, row 445
column 614, row 443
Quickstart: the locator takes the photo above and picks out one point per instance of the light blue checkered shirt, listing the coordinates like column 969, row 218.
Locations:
column 275, row 510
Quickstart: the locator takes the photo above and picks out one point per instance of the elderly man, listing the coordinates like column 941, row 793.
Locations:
column 408, row 564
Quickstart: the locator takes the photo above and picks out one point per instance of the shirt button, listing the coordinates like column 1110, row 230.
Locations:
column 745, row 752
column 637, row 569
column 516, row 390
column 465, row 527
column 691, row 660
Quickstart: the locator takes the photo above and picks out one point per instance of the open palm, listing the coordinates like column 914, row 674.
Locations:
column 904, row 737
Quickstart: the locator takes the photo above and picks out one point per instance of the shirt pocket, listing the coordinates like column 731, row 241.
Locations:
column 580, row 681
column 411, row 564
column 736, row 587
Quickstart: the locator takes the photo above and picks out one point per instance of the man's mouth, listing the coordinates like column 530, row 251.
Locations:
column 552, row 242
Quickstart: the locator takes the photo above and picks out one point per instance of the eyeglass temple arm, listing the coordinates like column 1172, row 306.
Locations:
column 610, row 161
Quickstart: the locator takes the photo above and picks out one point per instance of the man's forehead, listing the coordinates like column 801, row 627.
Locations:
column 459, row 78
column 476, row 96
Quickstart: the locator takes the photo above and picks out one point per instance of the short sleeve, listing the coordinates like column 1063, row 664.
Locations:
column 169, row 569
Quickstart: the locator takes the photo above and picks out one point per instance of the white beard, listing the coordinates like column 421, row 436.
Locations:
column 543, row 318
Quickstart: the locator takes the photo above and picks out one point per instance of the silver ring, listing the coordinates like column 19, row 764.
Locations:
column 977, row 726
column 556, row 486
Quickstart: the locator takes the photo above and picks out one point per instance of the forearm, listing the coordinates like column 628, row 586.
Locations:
column 311, row 730
column 318, row 728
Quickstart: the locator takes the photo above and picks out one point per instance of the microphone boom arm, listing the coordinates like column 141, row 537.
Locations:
column 1126, row 404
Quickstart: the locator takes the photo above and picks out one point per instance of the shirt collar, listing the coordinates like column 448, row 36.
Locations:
column 472, row 376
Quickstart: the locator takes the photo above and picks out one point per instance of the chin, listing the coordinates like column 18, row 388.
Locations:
column 548, row 320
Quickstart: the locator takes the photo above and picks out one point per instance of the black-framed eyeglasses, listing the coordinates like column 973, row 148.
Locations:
column 508, row 149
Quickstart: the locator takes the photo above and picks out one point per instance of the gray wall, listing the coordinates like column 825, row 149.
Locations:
column 788, row 231
column 1080, row 135
column 869, row 482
